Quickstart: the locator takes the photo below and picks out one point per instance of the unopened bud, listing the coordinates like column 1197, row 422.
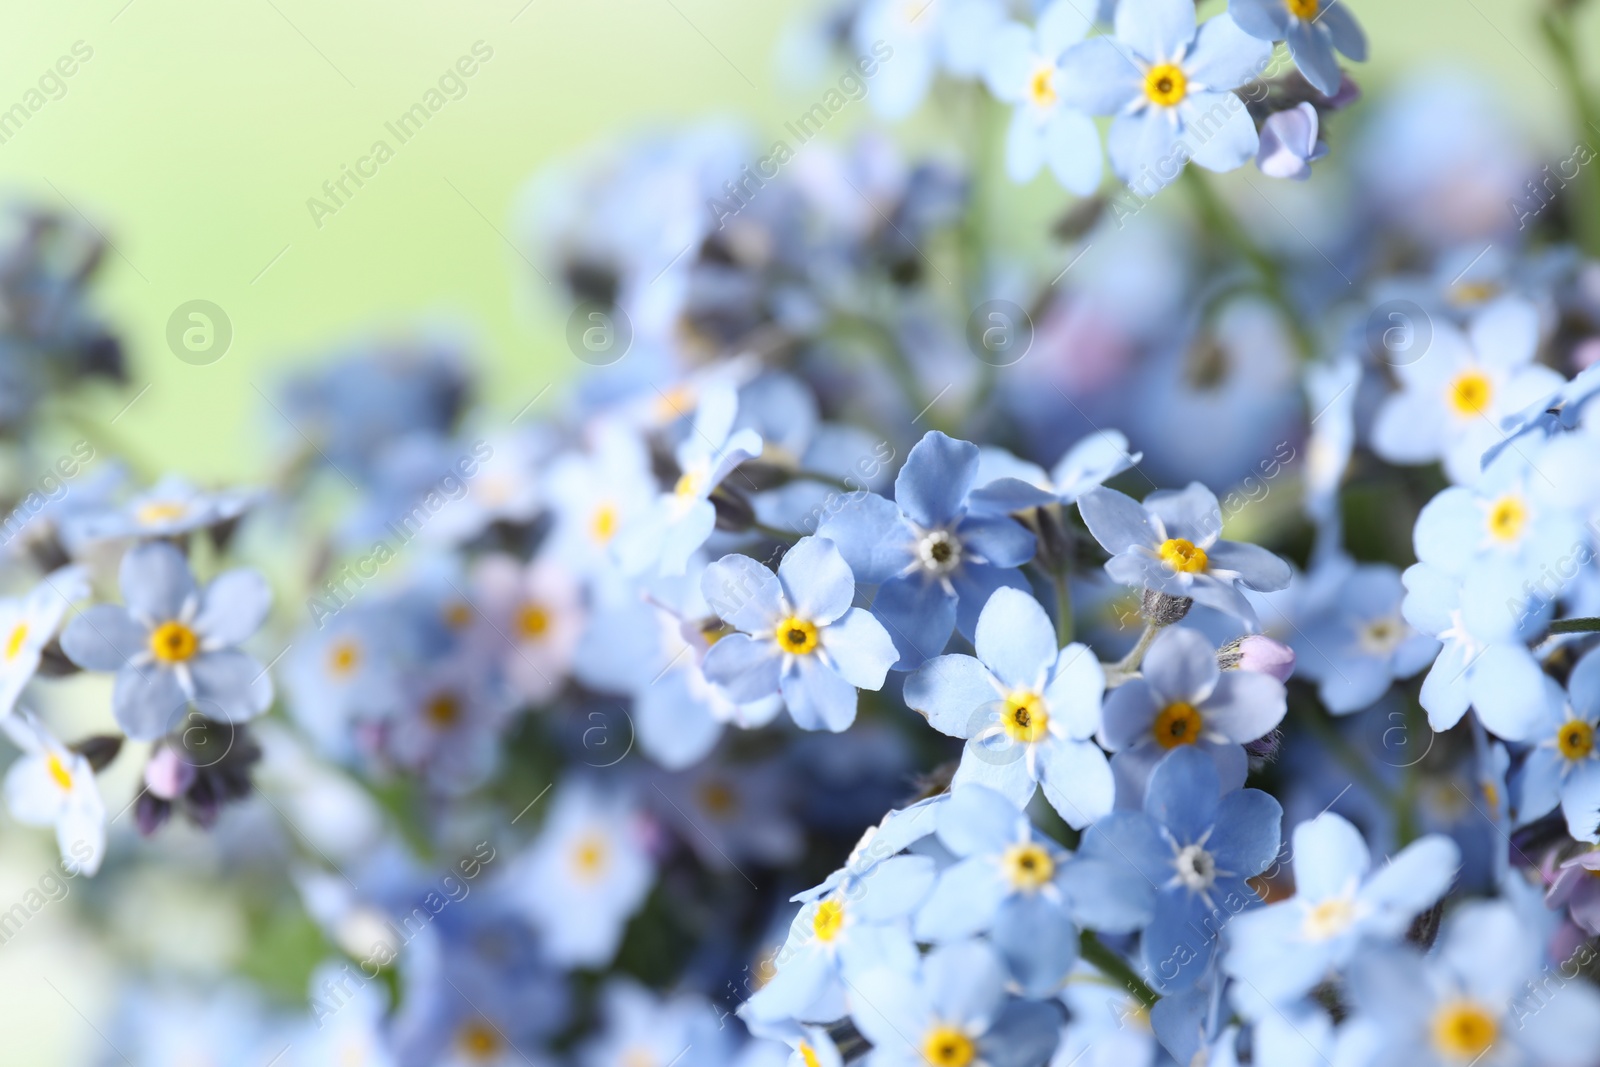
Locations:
column 1255, row 652
column 1163, row 609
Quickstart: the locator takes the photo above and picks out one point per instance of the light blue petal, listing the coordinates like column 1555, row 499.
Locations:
column 816, row 580
column 1258, row 569
column 1006, row 495
column 1077, row 780
column 1330, row 857
column 1061, row 25
column 1182, row 935
column 1117, row 521
column 1225, row 56
column 1155, row 29
column 1218, row 129
column 894, row 888
column 1099, row 456
column 1507, row 690
column 1072, row 148
column 1130, row 709
column 957, row 694
column 1077, row 683
column 933, row 484
column 1015, row 639
column 964, row 901
column 745, row 668
column 1248, row 833
column 148, row 703
column 1181, row 664
column 1098, row 77
column 978, row 820
column 1444, row 694
column 155, row 581
column 1266, row 19
column 1191, row 513
column 1000, row 542
column 229, row 686
column 682, row 537
column 919, row 618
column 870, row 535
column 860, row 648
column 233, row 607
column 675, row 729
column 816, row 697
column 1039, row 944
column 1580, row 805
column 975, row 584
column 1345, row 31
column 1025, row 145
column 1143, row 148
column 1183, row 794
column 1409, row 883
column 103, row 637
column 1009, row 62
column 1313, row 54
column 1245, row 705
column 743, row 593
column 965, row 982
column 1111, row 884
column 1003, row 769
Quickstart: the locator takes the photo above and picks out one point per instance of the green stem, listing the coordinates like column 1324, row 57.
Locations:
column 1108, row 963
column 825, row 479
column 777, row 533
column 1063, row 583
column 1222, row 222
column 1559, row 35
column 1130, row 663
column 1575, row 626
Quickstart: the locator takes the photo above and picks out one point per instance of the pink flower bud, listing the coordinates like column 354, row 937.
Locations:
column 168, row 775
column 1266, row 656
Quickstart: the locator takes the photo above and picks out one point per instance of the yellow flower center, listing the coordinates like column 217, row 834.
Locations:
column 1464, row 1030
column 479, row 1040
column 1027, row 867
column 443, row 710
column 1507, row 517
column 1182, row 556
column 58, row 772
column 718, row 798
column 945, row 1046
column 1329, row 919
column 457, row 614
column 1026, row 717
column 344, row 657
column 589, row 856
column 1042, row 86
column 1381, row 636
column 689, row 484
column 15, row 641
column 808, row 1055
column 1166, row 84
column 796, row 636
column 159, row 511
column 1575, row 739
column 603, row 523
column 173, row 642
column 1303, row 9
column 1469, row 293
column 828, row 920
column 533, row 620
column 1177, row 724
column 1471, row 392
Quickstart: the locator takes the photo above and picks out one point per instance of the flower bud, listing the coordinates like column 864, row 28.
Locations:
column 1258, row 653
column 1162, row 609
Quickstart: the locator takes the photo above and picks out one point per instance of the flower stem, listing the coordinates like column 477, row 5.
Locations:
column 1559, row 35
column 1108, row 963
column 1063, row 585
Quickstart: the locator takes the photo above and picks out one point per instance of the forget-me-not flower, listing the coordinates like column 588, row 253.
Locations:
column 28, row 624
column 1026, row 708
column 1171, row 543
column 51, row 785
column 935, row 562
column 1563, row 762
column 1311, row 28
column 1359, row 643
column 798, row 634
column 1284, row 949
column 1023, row 68
column 1007, row 484
column 1167, row 84
column 173, row 644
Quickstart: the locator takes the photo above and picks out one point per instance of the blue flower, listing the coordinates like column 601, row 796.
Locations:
column 1007, row 484
column 51, row 785
column 953, row 1010
column 1181, row 697
column 585, row 876
column 1482, row 622
column 1454, row 395
column 1026, row 709
column 173, row 644
column 28, row 624
column 1285, row 949
column 936, row 562
column 1563, row 762
column 1312, row 29
column 1023, row 69
column 1484, row 996
column 798, row 636
column 1358, row 644
column 679, row 521
column 1195, row 852
column 1170, row 544
column 912, row 41
column 170, row 508
column 1289, row 143
column 643, row 1028
column 849, row 925
column 1167, row 86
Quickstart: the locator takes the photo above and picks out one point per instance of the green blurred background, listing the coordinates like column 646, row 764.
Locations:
column 196, row 133
column 198, row 130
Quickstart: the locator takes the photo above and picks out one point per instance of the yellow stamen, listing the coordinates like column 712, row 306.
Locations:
column 1177, row 724
column 1026, row 717
column 15, row 642
column 796, row 636
column 533, row 620
column 828, row 920
column 443, row 710
column 1471, row 392
column 1042, row 86
column 1027, row 867
column 1166, row 84
column 718, row 798
column 159, row 511
column 1507, row 517
column 479, row 1040
column 1575, row 740
column 808, row 1056
column 1329, row 919
column 1183, row 555
column 173, row 642
column 344, row 657
column 945, row 1046
column 590, row 856
column 58, row 772
column 603, row 523
column 1464, row 1030
column 1303, row 9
